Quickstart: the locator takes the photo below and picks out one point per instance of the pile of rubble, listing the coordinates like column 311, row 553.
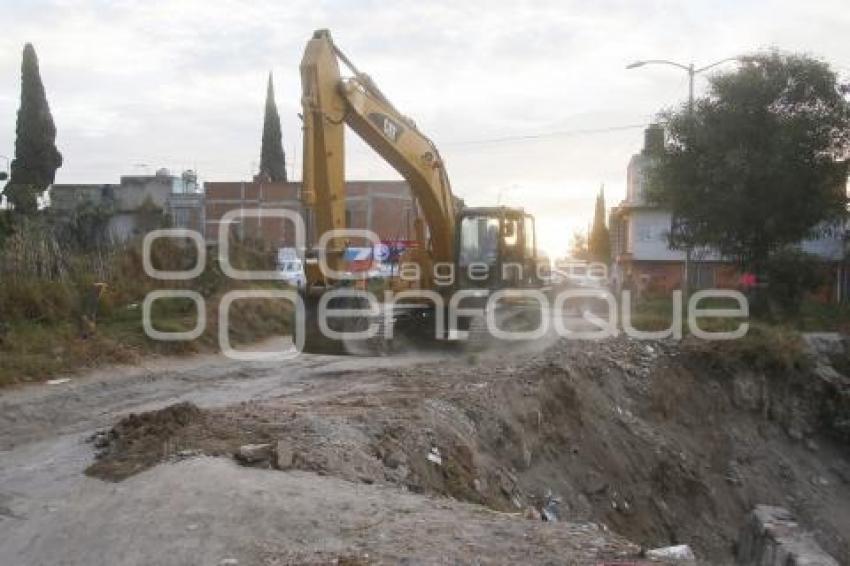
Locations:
column 634, row 437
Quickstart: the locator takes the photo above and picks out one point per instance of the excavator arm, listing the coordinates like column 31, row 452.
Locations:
column 330, row 102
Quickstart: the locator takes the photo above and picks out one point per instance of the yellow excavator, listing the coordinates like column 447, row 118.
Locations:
column 458, row 249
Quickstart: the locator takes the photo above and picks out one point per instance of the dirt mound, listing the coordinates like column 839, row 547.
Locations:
column 646, row 438
column 139, row 441
column 155, row 424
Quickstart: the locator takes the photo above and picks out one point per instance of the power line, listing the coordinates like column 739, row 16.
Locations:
column 484, row 141
column 559, row 133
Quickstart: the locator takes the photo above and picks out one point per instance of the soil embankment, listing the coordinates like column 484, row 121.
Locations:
column 662, row 443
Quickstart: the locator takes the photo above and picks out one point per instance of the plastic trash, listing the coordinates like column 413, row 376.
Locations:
column 549, row 511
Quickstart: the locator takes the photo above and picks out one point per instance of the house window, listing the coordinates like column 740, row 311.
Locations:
column 644, row 233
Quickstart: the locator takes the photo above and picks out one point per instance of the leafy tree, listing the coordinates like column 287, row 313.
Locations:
column 757, row 165
column 578, row 247
column 791, row 274
column 36, row 157
column 272, row 159
column 6, row 227
column 599, row 244
column 87, row 228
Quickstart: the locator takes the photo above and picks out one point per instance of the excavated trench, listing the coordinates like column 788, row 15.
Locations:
column 664, row 443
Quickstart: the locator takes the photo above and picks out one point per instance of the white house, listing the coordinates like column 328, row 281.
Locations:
column 642, row 255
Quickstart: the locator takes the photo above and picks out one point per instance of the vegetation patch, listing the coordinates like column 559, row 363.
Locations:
column 69, row 303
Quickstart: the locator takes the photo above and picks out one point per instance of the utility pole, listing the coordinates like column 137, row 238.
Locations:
column 691, row 74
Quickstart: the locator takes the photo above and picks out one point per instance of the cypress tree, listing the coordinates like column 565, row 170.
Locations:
column 599, row 244
column 272, row 159
column 36, row 157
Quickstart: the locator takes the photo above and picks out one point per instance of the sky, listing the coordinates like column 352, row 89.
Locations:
column 529, row 102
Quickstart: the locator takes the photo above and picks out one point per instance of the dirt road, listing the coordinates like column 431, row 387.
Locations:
column 211, row 511
column 33, row 413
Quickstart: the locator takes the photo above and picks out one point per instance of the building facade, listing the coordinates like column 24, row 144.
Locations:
column 139, row 203
column 385, row 207
column 136, row 203
column 223, row 197
column 643, row 259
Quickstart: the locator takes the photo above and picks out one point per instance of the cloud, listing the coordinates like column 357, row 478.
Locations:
column 182, row 83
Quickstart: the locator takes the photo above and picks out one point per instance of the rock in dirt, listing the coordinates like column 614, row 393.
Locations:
column 100, row 439
column 254, row 453
column 394, row 459
column 772, row 537
column 550, row 514
column 284, row 455
column 679, row 553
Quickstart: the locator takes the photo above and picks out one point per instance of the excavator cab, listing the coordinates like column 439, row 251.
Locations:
column 496, row 249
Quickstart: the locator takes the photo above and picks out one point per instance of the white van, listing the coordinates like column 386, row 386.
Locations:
column 290, row 268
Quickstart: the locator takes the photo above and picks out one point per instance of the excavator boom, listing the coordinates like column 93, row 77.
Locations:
column 330, row 102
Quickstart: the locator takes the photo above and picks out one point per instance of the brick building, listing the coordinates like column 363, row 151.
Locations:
column 385, row 207
column 223, row 197
column 139, row 203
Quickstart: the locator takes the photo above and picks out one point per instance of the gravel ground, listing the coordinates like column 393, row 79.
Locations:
column 210, row 511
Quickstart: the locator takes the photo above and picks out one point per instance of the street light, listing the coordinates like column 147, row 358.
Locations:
column 692, row 72
column 690, row 69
